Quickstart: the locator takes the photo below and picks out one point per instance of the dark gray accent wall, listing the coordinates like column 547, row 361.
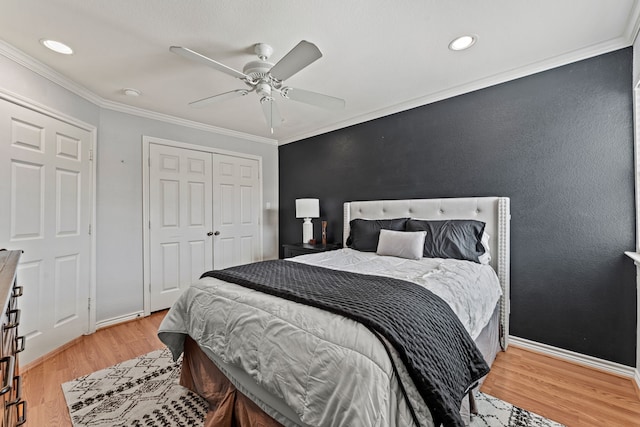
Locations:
column 558, row 143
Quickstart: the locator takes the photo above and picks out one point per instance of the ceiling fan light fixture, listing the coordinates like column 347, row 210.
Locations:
column 57, row 46
column 463, row 42
column 263, row 89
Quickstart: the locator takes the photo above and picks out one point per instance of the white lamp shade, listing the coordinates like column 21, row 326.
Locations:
column 307, row 208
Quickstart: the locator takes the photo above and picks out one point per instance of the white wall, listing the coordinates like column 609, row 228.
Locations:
column 119, row 181
column 119, row 210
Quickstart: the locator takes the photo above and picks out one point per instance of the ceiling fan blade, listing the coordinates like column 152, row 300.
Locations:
column 271, row 112
column 217, row 98
column 303, row 54
column 195, row 56
column 313, row 98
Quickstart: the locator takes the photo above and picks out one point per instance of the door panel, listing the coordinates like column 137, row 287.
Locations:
column 67, row 282
column 170, row 199
column 197, row 255
column 180, row 218
column 195, row 204
column 236, row 210
column 170, row 267
column 31, row 276
column 68, row 203
column 27, row 200
column 45, row 210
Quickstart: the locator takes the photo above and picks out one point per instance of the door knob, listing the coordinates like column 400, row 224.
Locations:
column 210, row 233
column 217, row 233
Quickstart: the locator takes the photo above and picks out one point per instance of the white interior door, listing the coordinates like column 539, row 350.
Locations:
column 180, row 221
column 45, row 210
column 236, row 211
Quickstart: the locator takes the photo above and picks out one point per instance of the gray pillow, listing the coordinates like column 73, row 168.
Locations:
column 453, row 238
column 401, row 244
column 364, row 233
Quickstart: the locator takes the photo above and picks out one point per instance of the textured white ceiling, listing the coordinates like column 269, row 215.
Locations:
column 380, row 56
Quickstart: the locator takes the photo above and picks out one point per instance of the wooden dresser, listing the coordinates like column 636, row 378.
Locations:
column 15, row 408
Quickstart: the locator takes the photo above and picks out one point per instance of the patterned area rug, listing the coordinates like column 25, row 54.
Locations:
column 139, row 392
column 145, row 392
column 493, row 412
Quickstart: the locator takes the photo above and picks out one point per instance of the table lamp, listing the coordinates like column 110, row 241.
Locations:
column 307, row 209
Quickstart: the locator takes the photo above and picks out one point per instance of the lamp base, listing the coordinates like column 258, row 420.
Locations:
column 307, row 230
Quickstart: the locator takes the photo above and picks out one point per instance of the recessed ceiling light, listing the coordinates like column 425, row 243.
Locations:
column 131, row 92
column 463, row 42
column 57, row 46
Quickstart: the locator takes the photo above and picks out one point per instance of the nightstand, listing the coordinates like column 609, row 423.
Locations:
column 295, row 249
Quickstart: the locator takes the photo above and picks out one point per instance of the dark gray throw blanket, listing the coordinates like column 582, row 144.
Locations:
column 439, row 354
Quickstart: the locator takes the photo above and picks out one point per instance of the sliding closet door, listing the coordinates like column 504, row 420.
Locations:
column 180, row 221
column 45, row 210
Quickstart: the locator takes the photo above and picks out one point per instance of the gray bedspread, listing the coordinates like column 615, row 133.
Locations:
column 440, row 356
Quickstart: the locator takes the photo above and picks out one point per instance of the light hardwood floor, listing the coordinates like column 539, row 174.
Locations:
column 46, row 406
column 565, row 392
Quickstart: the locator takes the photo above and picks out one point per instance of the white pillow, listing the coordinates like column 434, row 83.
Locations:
column 401, row 244
column 485, row 258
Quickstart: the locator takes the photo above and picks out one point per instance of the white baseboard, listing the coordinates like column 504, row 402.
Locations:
column 581, row 359
column 637, row 378
column 115, row 320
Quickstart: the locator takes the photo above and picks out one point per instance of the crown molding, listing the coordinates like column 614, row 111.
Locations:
column 50, row 74
column 536, row 67
column 128, row 109
column 633, row 26
column 47, row 72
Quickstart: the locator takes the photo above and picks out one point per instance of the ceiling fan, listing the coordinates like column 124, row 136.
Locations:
column 266, row 79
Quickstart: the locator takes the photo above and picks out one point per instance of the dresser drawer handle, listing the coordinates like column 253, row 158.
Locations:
column 17, row 291
column 16, row 319
column 17, row 385
column 10, row 361
column 21, row 408
column 20, row 344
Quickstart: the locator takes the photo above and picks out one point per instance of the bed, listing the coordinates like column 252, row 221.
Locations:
column 261, row 360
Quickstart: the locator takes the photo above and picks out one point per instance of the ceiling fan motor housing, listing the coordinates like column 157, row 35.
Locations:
column 257, row 70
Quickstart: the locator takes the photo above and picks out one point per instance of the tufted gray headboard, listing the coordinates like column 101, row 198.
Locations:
column 494, row 211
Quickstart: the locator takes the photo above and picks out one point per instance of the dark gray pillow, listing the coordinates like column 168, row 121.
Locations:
column 364, row 233
column 453, row 238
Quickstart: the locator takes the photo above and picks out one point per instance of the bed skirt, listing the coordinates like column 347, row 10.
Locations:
column 228, row 407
